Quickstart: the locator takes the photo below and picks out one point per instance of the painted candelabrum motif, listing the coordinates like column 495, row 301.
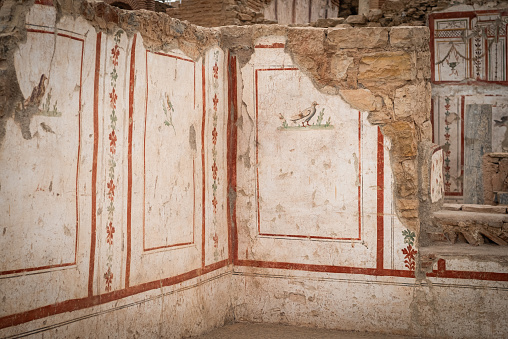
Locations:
column 446, row 146
column 479, row 42
column 215, row 175
column 409, row 252
column 110, row 180
column 304, row 117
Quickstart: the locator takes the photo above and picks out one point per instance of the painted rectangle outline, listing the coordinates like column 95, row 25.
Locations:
column 51, row 267
column 360, row 187
column 470, row 15
column 144, row 161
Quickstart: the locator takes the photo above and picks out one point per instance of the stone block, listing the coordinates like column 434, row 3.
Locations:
column 452, row 207
column 484, row 209
column 402, row 135
column 385, row 65
column 412, row 100
column 374, row 37
column 339, row 65
column 465, row 219
column 356, row 19
column 409, row 36
column 328, row 22
column 362, row 99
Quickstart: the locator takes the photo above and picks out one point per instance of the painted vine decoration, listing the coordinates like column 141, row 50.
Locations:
column 409, row 252
column 447, row 145
column 113, row 97
column 215, row 169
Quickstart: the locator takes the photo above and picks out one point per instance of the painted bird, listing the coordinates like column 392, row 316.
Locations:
column 305, row 115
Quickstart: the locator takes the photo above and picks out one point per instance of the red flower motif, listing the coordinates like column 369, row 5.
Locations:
column 214, row 135
column 112, row 144
column 215, row 102
column 409, row 256
column 110, row 230
column 113, row 98
column 215, row 240
column 115, row 52
column 109, row 279
column 214, row 170
column 216, row 71
column 111, row 187
column 214, row 203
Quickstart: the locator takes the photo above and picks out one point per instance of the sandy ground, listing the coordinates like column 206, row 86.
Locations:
column 271, row 331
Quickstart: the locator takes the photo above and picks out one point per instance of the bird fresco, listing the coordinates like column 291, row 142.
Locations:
column 302, row 120
column 305, row 115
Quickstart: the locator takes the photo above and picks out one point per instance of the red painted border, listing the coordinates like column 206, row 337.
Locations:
column 380, row 200
column 45, row 267
column 132, row 78
column 298, row 236
column 81, row 303
column 91, row 268
column 44, row 2
column 274, row 45
column 145, row 249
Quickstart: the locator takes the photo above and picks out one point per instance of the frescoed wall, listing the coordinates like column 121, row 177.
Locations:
column 161, row 179
column 469, row 65
column 121, row 187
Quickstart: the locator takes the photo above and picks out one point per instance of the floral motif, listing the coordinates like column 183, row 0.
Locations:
column 109, row 279
column 216, row 71
column 113, row 97
column 115, row 53
column 112, row 142
column 214, row 136
column 409, row 252
column 215, row 102
column 214, row 171
column 215, row 240
column 110, row 230
column 111, row 187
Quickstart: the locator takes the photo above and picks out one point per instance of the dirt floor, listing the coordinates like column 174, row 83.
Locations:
column 269, row 331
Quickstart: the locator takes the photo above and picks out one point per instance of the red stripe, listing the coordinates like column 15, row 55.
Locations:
column 59, row 34
column 380, row 200
column 78, row 304
column 274, row 45
column 94, row 164
column 129, row 162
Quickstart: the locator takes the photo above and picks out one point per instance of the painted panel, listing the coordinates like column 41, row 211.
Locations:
column 45, row 185
column 311, row 186
column 448, row 133
column 215, row 141
column 51, row 91
column 469, row 46
column 166, row 187
column 169, row 171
